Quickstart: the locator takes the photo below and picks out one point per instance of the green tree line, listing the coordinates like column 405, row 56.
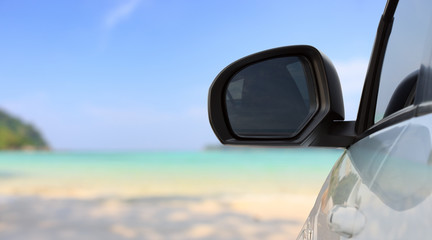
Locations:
column 17, row 135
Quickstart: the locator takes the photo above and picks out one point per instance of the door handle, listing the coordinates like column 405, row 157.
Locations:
column 346, row 221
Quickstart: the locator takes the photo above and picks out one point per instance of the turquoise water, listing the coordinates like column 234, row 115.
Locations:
column 153, row 173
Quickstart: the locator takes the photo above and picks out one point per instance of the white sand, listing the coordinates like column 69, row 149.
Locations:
column 277, row 216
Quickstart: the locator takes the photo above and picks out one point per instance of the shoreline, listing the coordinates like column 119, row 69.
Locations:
column 179, row 196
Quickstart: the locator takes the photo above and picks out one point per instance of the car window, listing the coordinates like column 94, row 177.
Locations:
column 403, row 57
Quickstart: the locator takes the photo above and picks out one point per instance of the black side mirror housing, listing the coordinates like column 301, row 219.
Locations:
column 287, row 96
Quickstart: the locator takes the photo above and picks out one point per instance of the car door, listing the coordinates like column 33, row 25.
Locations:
column 381, row 186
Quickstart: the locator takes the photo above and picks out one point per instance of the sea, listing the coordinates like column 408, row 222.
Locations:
column 165, row 173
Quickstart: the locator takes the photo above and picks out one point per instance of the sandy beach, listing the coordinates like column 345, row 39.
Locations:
column 251, row 217
column 154, row 196
column 62, row 210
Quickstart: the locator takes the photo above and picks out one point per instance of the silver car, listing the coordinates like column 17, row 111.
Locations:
column 291, row 96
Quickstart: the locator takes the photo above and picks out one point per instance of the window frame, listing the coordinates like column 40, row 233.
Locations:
column 365, row 124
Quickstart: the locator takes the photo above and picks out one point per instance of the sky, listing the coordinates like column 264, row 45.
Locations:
column 135, row 74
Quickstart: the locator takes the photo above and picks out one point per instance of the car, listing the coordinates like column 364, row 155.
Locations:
column 381, row 186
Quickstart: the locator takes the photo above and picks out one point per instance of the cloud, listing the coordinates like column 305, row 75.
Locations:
column 352, row 74
column 197, row 112
column 120, row 13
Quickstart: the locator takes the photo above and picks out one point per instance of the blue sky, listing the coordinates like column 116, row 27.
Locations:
column 134, row 74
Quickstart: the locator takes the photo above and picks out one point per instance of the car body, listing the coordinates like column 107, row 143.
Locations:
column 381, row 186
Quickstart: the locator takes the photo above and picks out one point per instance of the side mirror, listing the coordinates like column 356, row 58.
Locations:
column 283, row 96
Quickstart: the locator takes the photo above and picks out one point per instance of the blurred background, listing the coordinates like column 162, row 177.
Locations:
column 103, row 118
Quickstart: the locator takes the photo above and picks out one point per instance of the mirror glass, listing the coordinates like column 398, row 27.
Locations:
column 271, row 98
